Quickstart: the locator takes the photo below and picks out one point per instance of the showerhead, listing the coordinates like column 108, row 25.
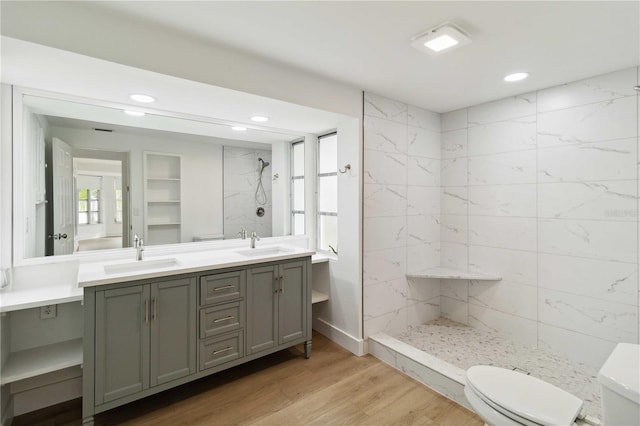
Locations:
column 263, row 164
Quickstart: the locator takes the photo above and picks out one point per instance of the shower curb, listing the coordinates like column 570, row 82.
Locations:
column 441, row 376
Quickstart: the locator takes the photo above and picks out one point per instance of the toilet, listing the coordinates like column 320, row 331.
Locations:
column 505, row 397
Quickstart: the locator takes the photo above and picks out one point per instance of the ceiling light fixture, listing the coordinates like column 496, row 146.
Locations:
column 142, row 98
column 259, row 118
column 134, row 113
column 516, row 76
column 238, row 128
column 443, row 38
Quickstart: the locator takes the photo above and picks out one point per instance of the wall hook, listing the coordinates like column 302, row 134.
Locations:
column 346, row 167
column 276, row 176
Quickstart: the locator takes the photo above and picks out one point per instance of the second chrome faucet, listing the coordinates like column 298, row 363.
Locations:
column 254, row 238
column 138, row 243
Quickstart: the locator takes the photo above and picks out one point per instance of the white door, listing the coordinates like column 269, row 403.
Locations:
column 63, row 199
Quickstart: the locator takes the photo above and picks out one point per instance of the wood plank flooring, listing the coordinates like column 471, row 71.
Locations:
column 333, row 387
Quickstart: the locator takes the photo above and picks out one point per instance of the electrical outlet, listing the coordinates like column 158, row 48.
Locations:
column 49, row 311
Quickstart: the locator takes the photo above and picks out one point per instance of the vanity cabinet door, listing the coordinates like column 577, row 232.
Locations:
column 121, row 342
column 262, row 294
column 173, row 330
column 292, row 306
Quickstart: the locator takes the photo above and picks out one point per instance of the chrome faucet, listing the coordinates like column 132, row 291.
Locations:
column 138, row 243
column 243, row 234
column 254, row 237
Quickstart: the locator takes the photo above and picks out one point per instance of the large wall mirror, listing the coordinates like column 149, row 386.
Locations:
column 93, row 175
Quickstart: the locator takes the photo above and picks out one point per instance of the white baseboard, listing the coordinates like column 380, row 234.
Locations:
column 344, row 339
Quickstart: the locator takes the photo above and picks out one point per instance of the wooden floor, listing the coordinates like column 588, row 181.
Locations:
column 332, row 387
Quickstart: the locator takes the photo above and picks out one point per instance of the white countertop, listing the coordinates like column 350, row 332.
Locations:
column 33, row 297
column 52, row 284
column 92, row 274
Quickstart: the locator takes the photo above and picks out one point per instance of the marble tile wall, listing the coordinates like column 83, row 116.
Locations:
column 401, row 214
column 543, row 189
column 241, row 172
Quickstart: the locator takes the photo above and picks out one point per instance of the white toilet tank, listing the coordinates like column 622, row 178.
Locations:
column 619, row 380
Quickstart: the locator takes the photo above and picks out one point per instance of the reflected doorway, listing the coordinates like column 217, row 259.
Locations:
column 99, row 202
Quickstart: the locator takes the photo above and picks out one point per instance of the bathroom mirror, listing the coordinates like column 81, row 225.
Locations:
column 95, row 175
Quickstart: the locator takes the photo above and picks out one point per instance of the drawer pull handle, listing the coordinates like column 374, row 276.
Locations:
column 223, row 319
column 224, row 287
column 228, row 348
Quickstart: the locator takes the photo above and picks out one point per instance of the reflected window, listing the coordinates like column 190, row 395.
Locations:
column 297, row 188
column 88, row 206
column 328, row 193
column 118, row 213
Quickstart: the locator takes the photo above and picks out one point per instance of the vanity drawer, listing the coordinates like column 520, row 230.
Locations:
column 221, row 319
column 221, row 349
column 222, row 287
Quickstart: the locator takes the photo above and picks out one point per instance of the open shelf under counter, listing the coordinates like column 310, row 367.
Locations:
column 317, row 297
column 454, row 274
column 41, row 360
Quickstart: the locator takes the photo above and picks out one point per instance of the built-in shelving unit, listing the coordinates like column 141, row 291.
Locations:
column 163, row 198
column 454, row 274
column 41, row 360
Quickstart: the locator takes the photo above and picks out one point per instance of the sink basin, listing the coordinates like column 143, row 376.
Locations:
column 264, row 251
column 140, row 265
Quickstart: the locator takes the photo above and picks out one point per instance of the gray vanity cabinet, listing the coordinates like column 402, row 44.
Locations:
column 276, row 305
column 173, row 312
column 145, row 336
column 262, row 302
column 122, row 343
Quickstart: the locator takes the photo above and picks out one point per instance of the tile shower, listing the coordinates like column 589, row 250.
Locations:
column 540, row 188
column 241, row 173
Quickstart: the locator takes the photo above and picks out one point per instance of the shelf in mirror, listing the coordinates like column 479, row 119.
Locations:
column 164, row 179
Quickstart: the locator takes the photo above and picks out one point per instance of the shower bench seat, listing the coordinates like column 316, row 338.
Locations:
column 454, row 274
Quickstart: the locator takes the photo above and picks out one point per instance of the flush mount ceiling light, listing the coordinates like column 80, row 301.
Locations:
column 134, row 113
column 260, row 118
column 142, row 98
column 443, row 38
column 516, row 76
column 238, row 128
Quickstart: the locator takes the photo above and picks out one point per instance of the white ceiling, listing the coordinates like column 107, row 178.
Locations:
column 182, row 106
column 366, row 44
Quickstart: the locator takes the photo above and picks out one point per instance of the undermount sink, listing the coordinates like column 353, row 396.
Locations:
column 139, row 265
column 264, row 251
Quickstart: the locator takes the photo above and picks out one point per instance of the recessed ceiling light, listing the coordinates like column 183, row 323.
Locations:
column 134, row 113
column 239, row 128
column 260, row 118
column 443, row 38
column 516, row 76
column 142, row 98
